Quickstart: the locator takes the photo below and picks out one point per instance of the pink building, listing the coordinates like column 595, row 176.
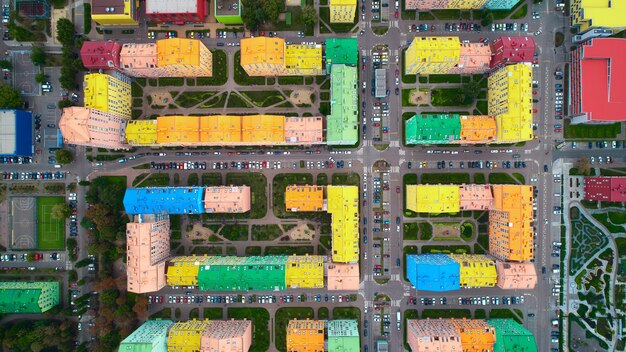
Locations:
column 304, row 129
column 425, row 4
column 433, row 335
column 508, row 50
column 93, row 128
column 147, row 247
column 343, row 277
column 476, row 197
column 227, row 199
column 227, row 336
column 605, row 189
column 516, row 276
column 475, row 58
column 139, row 59
column 101, row 55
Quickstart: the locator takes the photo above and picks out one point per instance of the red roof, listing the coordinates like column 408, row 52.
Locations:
column 101, row 55
column 512, row 50
column 603, row 79
column 606, row 189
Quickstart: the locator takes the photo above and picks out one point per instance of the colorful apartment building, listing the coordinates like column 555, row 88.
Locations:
column 28, row 297
column 510, row 101
column 93, row 128
column 475, row 334
column 605, row 189
column 467, row 335
column 433, row 272
column 265, row 56
column 511, row 336
column 433, row 129
column 265, row 273
column 511, row 223
column 343, row 336
column 341, row 51
column 115, row 12
column 466, row 4
column 147, row 248
column 186, row 336
column 176, row 11
column 342, row 125
column 512, row 50
column 476, row 197
column 432, row 55
column 343, row 277
column 303, row 60
column 183, row 271
column 516, row 276
column 433, row 199
column 474, row 58
column 150, row 336
column 141, row 132
column 305, row 198
column 227, row 11
column 597, row 88
column 476, row 270
column 101, row 55
column 227, row 336
column 477, row 129
column 16, row 133
column 108, row 93
column 164, row 200
column 342, row 11
column 591, row 14
column 227, row 199
column 500, row 4
column 343, row 205
column 139, row 60
column 444, row 4
column 304, row 271
column 305, row 336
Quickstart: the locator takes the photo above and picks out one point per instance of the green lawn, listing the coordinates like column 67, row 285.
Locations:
column 50, row 231
column 189, row 99
column 266, row 232
column 213, row 313
column 410, row 231
column 347, row 313
column 445, row 178
column 235, row 232
column 447, row 14
column 590, row 131
column 324, row 15
column 406, row 78
column 153, row 180
column 521, row 13
column 281, row 320
column 345, row 179
column 406, row 93
column 264, row 98
column 449, row 97
column 258, row 190
column 236, row 101
column 242, row 78
column 444, row 78
column 501, row 178
column 426, row 231
column 446, row 249
column 211, row 179
column 260, row 325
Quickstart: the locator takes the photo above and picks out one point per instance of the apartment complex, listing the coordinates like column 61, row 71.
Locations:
column 591, row 14
column 598, row 88
column 341, row 51
column 342, row 11
column 305, row 336
column 227, row 336
column 93, row 128
column 471, row 335
column 342, row 125
column 28, row 297
column 474, row 58
column 343, row 336
column 16, row 133
column 605, row 188
column 227, row 11
column 150, row 336
column 227, row 199
column 101, row 55
column 108, row 93
column 516, row 276
column 510, row 101
column 343, row 277
column 433, row 272
column 432, row 55
column 147, row 248
column 444, row 4
column 183, row 271
column 512, row 50
column 265, row 56
column 433, row 199
column 176, row 11
column 115, row 12
column 186, row 336
column 511, row 336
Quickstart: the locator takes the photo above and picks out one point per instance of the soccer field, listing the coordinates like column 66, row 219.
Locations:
column 50, row 231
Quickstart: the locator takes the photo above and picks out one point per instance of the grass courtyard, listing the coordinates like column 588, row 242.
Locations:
column 50, row 231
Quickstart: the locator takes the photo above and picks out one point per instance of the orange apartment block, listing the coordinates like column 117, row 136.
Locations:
column 475, row 197
column 227, row 336
column 343, row 277
column 477, row 129
column 94, row 128
column 516, row 276
column 476, row 335
column 262, row 56
column 305, row 336
column 147, row 247
column 305, row 198
column 433, row 335
column 263, row 129
column 510, row 223
column 475, row 58
column 227, row 199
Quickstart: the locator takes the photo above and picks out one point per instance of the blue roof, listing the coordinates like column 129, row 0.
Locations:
column 164, row 200
column 16, row 133
column 433, row 272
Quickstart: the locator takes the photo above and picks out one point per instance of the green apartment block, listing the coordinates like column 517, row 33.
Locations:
column 341, row 51
column 343, row 336
column 512, row 337
column 228, row 11
column 342, row 123
column 433, row 129
column 149, row 337
column 243, row 273
column 28, row 297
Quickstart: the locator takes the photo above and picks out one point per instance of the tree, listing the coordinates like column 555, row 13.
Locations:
column 309, row 15
column 471, row 90
column 65, row 104
column 6, row 64
column 487, row 18
column 272, row 9
column 10, row 98
column 64, row 156
column 61, row 211
column 38, row 56
column 253, row 14
column 41, row 77
column 65, row 31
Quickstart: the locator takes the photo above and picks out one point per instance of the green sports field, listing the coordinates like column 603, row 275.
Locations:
column 50, row 231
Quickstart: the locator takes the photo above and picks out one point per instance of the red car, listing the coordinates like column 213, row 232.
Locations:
column 534, row 92
column 535, row 111
column 376, row 124
column 38, row 256
column 398, row 189
column 557, row 130
column 397, row 73
column 396, row 14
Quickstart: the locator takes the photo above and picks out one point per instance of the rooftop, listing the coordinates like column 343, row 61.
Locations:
column 167, row 200
column 342, row 51
column 107, row 7
column 433, row 129
column 171, row 6
column 343, row 277
column 227, row 7
column 304, row 198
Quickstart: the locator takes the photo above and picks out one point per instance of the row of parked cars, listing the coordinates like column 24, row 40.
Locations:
column 49, row 175
column 15, row 160
column 183, row 165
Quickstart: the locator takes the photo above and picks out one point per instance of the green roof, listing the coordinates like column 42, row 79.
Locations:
column 149, row 337
column 433, row 129
column 342, row 123
column 251, row 273
column 341, row 51
column 343, row 336
column 28, row 297
column 512, row 337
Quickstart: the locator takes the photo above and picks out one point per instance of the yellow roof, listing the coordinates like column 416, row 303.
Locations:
column 96, row 89
column 304, row 57
column 598, row 13
column 433, row 54
column 264, row 129
column 174, row 51
column 343, row 204
column 433, row 198
column 304, row 198
column 476, row 270
column 510, row 101
column 342, row 3
column 185, row 336
column 183, row 271
column 262, row 50
column 304, row 271
column 220, row 129
column 141, row 132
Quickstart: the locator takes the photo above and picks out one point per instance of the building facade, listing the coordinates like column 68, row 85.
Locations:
column 101, row 55
column 176, row 11
column 467, row 335
column 511, row 336
column 500, row 4
column 342, row 125
column 511, row 223
column 265, row 56
column 16, row 133
column 228, row 11
column 183, row 271
column 343, row 205
column 186, row 336
column 516, row 276
column 28, row 297
column 227, row 199
column 343, row 336
column 227, row 336
column 147, row 248
column 150, row 336
column 605, row 188
column 243, row 273
column 304, row 271
column 433, row 199
column 108, row 93
column 512, row 50
column 93, row 128
column 115, row 12
column 432, row 55
column 342, row 11
column 341, row 51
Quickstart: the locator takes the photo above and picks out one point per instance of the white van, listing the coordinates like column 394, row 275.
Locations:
column 57, row 166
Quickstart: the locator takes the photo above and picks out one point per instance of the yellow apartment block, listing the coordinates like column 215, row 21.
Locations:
column 303, row 60
column 433, row 199
column 305, row 336
column 114, row 12
column 432, row 55
column 304, row 198
column 180, row 57
column 305, row 271
column 343, row 204
column 263, row 56
column 466, row 4
column 108, row 93
column 342, row 11
column 590, row 14
column 183, row 271
column 510, row 223
column 141, row 132
column 476, row 270
column 510, row 101
column 185, row 336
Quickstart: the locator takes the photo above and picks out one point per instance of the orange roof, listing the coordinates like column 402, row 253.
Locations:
column 221, row 129
column 262, row 50
column 516, row 276
column 342, row 277
column 478, row 128
column 510, row 223
column 304, row 129
column 305, row 336
column 475, row 197
column 304, row 198
column 262, row 129
column 178, row 51
column 227, row 199
column 476, row 335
